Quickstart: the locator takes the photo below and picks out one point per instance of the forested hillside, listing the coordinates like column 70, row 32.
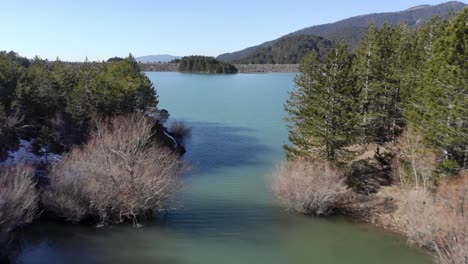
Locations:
column 288, row 50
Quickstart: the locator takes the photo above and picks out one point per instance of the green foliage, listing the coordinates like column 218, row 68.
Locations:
column 404, row 77
column 380, row 68
column 324, row 108
column 289, row 50
column 11, row 66
column 440, row 104
column 58, row 101
column 205, row 64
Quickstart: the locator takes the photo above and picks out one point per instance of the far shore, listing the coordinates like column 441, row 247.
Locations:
column 242, row 68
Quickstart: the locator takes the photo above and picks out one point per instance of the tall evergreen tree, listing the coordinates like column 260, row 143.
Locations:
column 420, row 52
column 10, row 71
column 444, row 115
column 363, row 67
column 378, row 67
column 324, row 108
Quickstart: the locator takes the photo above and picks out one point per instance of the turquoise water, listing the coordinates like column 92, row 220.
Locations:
column 226, row 213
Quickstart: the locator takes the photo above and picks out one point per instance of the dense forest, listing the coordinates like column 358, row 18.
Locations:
column 289, row 50
column 203, row 64
column 392, row 113
column 405, row 80
column 57, row 103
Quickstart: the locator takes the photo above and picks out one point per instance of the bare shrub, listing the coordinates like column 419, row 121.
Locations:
column 18, row 197
column 121, row 173
column 439, row 221
column 415, row 163
column 308, row 187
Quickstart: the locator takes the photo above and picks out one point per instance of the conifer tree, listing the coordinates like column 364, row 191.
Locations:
column 421, row 51
column 378, row 67
column 444, row 118
column 363, row 68
column 323, row 109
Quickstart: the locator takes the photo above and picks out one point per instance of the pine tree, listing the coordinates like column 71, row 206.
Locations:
column 445, row 93
column 324, row 109
column 363, row 68
column 379, row 67
column 10, row 72
column 418, row 56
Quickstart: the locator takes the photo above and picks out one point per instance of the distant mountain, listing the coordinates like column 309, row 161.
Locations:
column 352, row 30
column 157, row 58
column 288, row 50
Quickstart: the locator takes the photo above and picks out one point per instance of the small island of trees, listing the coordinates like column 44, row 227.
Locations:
column 204, row 64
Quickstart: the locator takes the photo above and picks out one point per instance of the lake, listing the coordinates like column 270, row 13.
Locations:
column 226, row 213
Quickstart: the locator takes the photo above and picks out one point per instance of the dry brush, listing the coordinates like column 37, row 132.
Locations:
column 120, row 174
column 309, row 187
column 439, row 221
column 18, row 197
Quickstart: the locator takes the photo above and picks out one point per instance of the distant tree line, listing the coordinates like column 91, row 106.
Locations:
column 56, row 103
column 204, row 64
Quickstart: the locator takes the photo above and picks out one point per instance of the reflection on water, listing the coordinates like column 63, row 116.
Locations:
column 226, row 214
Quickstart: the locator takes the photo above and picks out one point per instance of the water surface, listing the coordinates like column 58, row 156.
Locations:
column 226, row 214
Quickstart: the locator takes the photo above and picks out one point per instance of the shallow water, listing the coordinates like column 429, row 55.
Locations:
column 226, row 214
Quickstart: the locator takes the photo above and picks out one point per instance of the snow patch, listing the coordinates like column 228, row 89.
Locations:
column 25, row 155
column 173, row 139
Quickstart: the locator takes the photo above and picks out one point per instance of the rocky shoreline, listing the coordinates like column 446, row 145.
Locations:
column 242, row 68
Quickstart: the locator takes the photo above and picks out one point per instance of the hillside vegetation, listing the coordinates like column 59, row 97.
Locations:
column 288, row 50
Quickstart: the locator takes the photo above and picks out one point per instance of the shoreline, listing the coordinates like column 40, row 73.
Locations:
column 242, row 68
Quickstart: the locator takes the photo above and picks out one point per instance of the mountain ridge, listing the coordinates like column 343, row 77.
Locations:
column 351, row 30
column 156, row 58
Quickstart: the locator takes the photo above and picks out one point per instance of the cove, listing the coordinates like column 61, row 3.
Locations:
column 226, row 213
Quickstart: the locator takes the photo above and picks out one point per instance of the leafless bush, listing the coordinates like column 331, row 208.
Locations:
column 18, row 197
column 415, row 163
column 119, row 174
column 308, row 187
column 439, row 221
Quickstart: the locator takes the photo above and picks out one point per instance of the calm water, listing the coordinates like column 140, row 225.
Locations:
column 226, row 214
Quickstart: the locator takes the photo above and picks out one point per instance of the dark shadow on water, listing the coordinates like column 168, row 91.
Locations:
column 214, row 146
column 221, row 218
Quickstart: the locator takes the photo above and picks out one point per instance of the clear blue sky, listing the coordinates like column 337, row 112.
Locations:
column 100, row 29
